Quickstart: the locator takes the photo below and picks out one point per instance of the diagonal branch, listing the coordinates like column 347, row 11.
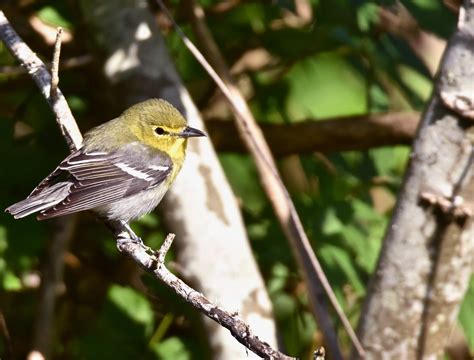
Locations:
column 276, row 191
column 154, row 263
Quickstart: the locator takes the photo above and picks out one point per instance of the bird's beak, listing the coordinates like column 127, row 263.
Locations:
column 191, row 132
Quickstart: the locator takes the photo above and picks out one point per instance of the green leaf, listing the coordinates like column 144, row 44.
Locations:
column 172, row 348
column 331, row 223
column 371, row 227
column 244, row 180
column 366, row 15
column 325, row 86
column 284, row 305
column 390, row 160
column 466, row 314
column 418, row 83
column 3, row 240
column 278, row 278
column 149, row 220
column 50, row 15
column 341, row 258
column 11, row 282
column 77, row 104
column 132, row 303
column 122, row 329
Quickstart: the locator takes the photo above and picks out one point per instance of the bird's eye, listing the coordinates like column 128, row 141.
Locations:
column 159, row 131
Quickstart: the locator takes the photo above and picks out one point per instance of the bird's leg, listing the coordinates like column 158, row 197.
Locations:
column 133, row 237
column 124, row 234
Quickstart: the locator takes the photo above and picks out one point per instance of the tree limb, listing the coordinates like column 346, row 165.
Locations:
column 340, row 134
column 426, row 260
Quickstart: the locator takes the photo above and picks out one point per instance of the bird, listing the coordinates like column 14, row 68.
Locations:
column 122, row 171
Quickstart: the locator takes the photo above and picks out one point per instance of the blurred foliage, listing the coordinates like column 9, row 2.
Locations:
column 339, row 63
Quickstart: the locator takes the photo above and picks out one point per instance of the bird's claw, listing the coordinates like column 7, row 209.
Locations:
column 125, row 238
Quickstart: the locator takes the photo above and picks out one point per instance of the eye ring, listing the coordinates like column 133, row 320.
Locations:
column 159, row 131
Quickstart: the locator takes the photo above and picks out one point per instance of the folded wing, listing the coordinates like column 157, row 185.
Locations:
column 100, row 178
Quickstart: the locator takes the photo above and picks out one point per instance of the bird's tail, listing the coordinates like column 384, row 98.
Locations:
column 44, row 200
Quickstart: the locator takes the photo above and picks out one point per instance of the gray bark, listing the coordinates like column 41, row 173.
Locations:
column 201, row 209
column 427, row 257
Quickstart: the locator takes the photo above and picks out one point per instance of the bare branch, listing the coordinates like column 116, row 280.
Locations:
column 55, row 65
column 278, row 195
column 338, row 134
column 154, row 263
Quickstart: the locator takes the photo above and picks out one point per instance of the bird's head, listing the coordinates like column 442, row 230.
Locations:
column 160, row 125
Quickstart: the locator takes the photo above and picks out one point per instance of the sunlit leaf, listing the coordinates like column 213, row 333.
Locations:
column 132, row 303
column 466, row 314
column 11, row 282
column 51, row 16
column 341, row 258
column 325, row 86
column 172, row 348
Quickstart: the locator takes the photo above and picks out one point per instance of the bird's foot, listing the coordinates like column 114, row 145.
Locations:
column 125, row 237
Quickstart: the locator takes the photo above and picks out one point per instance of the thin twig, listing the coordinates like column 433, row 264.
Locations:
column 36, row 68
column 55, row 64
column 276, row 191
column 71, row 63
column 151, row 263
column 154, row 264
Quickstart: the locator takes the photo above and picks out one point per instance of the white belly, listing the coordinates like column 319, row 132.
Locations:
column 133, row 207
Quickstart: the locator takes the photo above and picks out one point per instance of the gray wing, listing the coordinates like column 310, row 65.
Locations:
column 100, row 178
